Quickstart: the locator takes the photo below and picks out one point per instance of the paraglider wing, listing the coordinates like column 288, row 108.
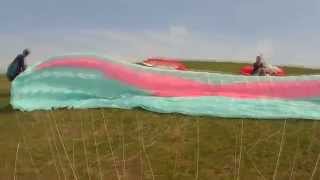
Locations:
column 276, row 71
column 246, row 70
column 90, row 82
column 165, row 63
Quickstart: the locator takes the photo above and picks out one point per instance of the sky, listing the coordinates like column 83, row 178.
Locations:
column 284, row 31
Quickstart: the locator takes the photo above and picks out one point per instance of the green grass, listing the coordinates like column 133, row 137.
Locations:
column 234, row 68
column 136, row 144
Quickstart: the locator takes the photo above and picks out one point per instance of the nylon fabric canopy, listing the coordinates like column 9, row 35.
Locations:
column 88, row 81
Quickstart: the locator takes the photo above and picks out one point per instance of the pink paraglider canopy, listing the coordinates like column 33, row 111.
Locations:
column 166, row 63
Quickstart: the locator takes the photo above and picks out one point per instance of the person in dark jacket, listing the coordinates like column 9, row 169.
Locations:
column 18, row 65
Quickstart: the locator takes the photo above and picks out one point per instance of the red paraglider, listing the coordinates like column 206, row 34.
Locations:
column 247, row 70
column 165, row 63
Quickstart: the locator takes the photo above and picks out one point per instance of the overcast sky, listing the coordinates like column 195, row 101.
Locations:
column 285, row 31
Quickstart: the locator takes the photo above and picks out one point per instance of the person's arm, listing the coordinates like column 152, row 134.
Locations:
column 20, row 63
column 255, row 67
column 23, row 65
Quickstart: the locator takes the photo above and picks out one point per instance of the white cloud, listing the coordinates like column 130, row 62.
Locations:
column 176, row 41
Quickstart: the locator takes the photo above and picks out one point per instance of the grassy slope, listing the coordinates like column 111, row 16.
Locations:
column 135, row 144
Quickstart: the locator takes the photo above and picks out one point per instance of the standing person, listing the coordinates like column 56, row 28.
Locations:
column 18, row 65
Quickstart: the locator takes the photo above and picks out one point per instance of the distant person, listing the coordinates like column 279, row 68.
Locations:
column 259, row 67
column 18, row 65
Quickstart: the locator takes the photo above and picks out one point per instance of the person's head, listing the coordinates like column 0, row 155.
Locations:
column 258, row 59
column 26, row 52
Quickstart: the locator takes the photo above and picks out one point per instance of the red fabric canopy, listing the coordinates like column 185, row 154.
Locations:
column 167, row 63
column 247, row 70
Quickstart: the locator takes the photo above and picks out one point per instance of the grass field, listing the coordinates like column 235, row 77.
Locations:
column 136, row 144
